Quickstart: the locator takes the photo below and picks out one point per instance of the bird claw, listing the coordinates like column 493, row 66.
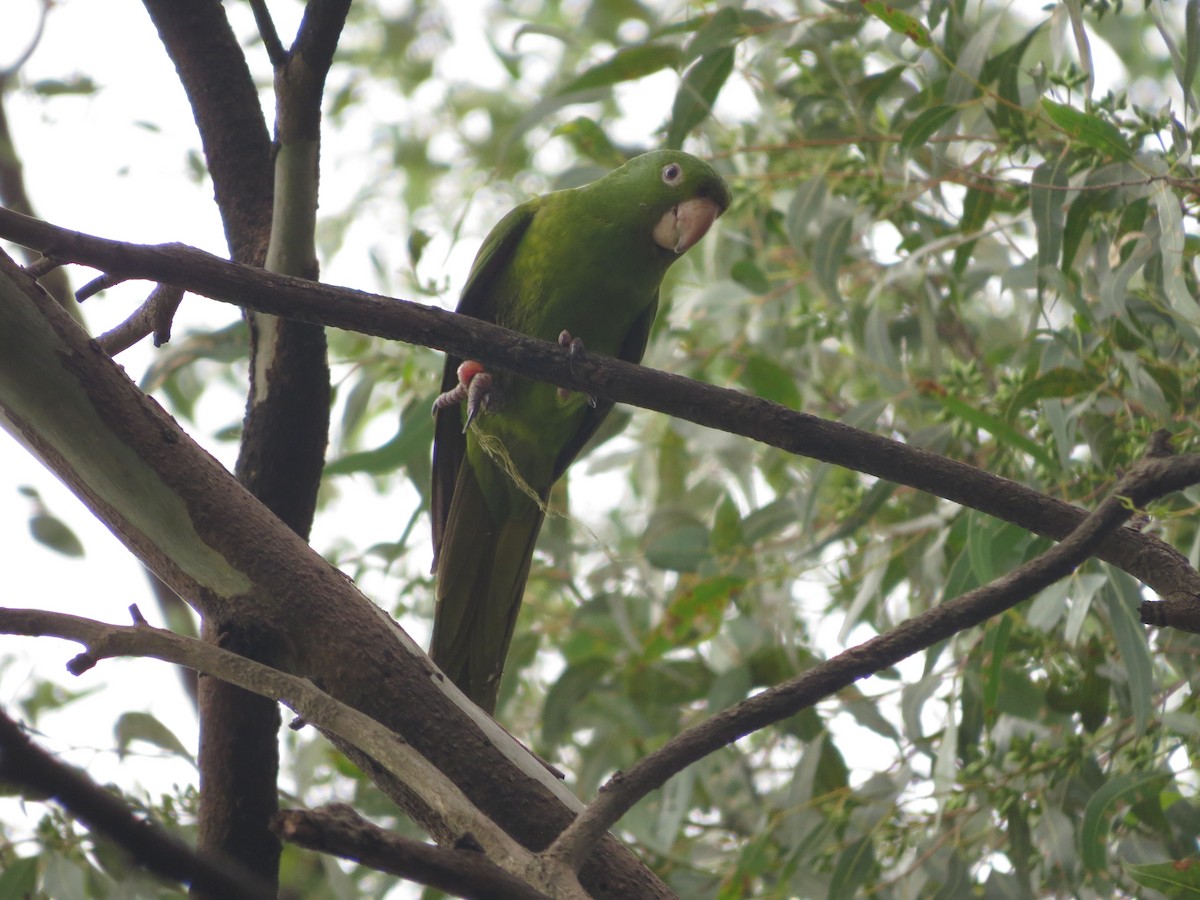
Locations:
column 575, row 349
column 474, row 384
column 477, row 395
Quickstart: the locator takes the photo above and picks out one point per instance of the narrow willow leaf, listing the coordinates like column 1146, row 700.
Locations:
column 1093, row 833
column 1191, row 30
column 771, row 381
column 1122, row 599
column 827, row 257
column 721, row 30
column 697, row 94
column 1046, row 199
column 920, row 129
column 804, row 210
column 995, row 643
column 1171, row 247
column 1079, row 215
column 963, row 83
column 627, row 64
column 899, row 21
column 999, row 429
column 747, row 273
column 977, row 206
column 1176, row 879
column 1097, row 133
column 139, row 726
column 589, row 139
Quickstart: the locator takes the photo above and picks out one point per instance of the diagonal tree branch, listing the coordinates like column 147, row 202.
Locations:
column 1142, row 555
column 24, row 764
column 463, row 872
column 1151, row 478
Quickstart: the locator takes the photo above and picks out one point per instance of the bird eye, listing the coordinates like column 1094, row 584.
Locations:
column 672, row 174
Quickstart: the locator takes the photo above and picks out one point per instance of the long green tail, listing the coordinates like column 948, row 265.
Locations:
column 481, row 571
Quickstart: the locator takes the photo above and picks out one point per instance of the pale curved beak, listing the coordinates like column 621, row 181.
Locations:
column 685, row 223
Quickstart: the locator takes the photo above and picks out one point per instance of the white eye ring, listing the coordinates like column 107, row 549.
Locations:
column 672, row 174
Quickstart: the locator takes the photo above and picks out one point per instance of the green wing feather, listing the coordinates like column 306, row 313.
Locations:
column 449, row 442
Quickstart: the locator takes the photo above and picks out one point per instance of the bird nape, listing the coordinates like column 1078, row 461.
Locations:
column 583, row 267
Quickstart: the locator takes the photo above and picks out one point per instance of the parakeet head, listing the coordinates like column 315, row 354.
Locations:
column 678, row 195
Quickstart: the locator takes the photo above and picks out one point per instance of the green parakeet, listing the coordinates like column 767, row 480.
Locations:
column 583, row 267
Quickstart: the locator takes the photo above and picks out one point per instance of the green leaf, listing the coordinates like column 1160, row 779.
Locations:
column 771, row 381
column 1122, row 598
column 922, row 128
column 804, row 211
column 694, row 614
column 19, row 878
column 899, row 21
column 1178, row 880
column 827, row 255
column 565, row 695
column 1093, row 833
column 590, row 140
column 52, row 532
column 747, row 273
column 1097, row 133
column 995, row 648
column 1047, row 195
column 1191, row 29
column 1004, row 433
column 413, row 439
column 697, row 93
column 721, row 30
column 1060, row 382
column 140, row 726
column 627, row 64
column 675, row 540
column 977, row 207
column 1079, row 215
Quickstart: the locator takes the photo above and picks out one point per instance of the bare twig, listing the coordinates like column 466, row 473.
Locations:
column 276, row 52
column 462, row 871
column 155, row 316
column 1152, row 477
column 1143, row 556
column 7, row 73
column 98, row 284
column 24, row 764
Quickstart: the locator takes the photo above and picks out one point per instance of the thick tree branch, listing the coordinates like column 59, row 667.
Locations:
column 24, row 764
column 1150, row 478
column 460, row 871
column 1143, row 556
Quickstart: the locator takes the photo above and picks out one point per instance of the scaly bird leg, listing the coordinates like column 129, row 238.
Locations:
column 575, row 349
column 474, row 383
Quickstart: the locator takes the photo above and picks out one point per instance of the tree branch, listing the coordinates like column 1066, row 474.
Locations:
column 1152, row 477
column 24, row 764
column 461, row 871
column 1142, row 555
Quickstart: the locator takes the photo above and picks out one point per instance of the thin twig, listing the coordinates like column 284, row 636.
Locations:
column 98, row 284
column 154, row 316
column 276, row 52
